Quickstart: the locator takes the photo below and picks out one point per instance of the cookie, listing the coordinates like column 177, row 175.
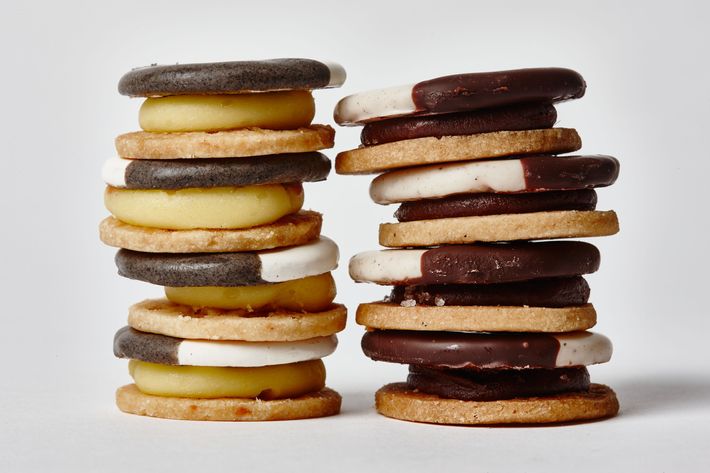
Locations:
column 325, row 402
column 476, row 264
column 182, row 174
column 166, row 318
column 223, row 144
column 229, row 269
column 489, row 228
column 165, row 350
column 398, row 401
column 231, row 77
column 459, row 92
column 529, row 174
column 468, row 350
column 431, row 150
column 488, row 203
column 517, row 117
column 294, row 229
column 388, row 316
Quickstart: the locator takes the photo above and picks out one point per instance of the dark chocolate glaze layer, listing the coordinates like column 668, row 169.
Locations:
column 558, row 292
column 462, row 350
column 476, row 205
column 569, row 172
column 516, row 117
column 184, row 173
column 150, row 347
column 506, row 262
column 474, row 91
column 496, row 385
column 225, row 77
column 191, row 269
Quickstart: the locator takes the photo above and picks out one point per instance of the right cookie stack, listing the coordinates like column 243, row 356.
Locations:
column 492, row 323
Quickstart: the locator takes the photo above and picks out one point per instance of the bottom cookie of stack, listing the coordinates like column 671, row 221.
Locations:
column 227, row 380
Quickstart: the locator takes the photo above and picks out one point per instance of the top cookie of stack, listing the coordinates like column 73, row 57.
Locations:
column 206, row 201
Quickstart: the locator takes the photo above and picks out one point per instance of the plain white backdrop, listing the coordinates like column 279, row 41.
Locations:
column 646, row 65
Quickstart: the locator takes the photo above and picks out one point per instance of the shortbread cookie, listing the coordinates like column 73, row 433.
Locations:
column 529, row 174
column 476, row 264
column 294, row 229
column 529, row 116
column 431, row 150
column 487, row 350
column 397, row 400
column 552, row 292
column 488, row 203
column 231, row 77
column 489, row 228
column 181, row 174
column 230, row 269
column 165, row 350
column 325, row 402
column 459, row 92
column 223, row 144
column 388, row 316
column 163, row 317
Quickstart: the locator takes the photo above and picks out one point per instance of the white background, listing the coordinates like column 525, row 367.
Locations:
column 646, row 65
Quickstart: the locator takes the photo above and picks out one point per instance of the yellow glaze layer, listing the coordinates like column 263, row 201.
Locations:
column 272, row 110
column 311, row 294
column 265, row 382
column 217, row 207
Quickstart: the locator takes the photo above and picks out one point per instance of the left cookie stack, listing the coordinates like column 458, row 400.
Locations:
column 206, row 201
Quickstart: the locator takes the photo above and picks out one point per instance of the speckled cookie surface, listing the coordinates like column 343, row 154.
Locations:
column 294, row 229
column 398, row 401
column 387, row 316
column 223, row 144
column 166, row 318
column 325, row 402
column 510, row 227
column 430, row 150
column 231, row 77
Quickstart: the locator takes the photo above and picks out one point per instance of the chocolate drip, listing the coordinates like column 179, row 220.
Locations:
column 474, row 205
column 462, row 350
column 561, row 292
column 461, row 92
column 191, row 269
column 517, row 117
column 569, row 172
column 150, row 347
column 493, row 385
column 507, row 262
column 184, row 173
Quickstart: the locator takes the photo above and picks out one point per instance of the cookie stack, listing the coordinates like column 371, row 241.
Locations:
column 206, row 201
column 491, row 323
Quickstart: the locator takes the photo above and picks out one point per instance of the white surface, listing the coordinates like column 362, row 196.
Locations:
column 297, row 262
column 370, row 105
column 647, row 103
column 583, row 349
column 232, row 353
column 113, row 172
column 386, row 266
column 441, row 180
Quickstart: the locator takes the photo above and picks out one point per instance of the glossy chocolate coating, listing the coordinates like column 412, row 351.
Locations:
column 191, row 269
column 506, row 262
column 492, row 385
column 460, row 92
column 558, row 292
column 475, row 205
column 462, row 350
column 225, row 77
column 185, row 173
column 569, row 172
column 516, row 117
column 151, row 347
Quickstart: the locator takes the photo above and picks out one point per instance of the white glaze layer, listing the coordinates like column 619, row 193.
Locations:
column 113, row 172
column 248, row 354
column 386, row 266
column 374, row 104
column 440, row 180
column 337, row 74
column 583, row 349
column 296, row 262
